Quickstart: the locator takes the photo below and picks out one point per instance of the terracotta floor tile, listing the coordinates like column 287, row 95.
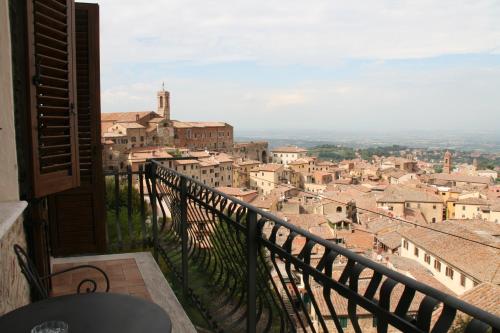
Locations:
column 60, row 267
column 137, row 289
column 124, row 277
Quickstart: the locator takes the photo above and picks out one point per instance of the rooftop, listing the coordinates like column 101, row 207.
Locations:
column 198, row 124
column 127, row 116
column 458, row 177
column 397, row 193
column 474, row 259
column 289, row 149
column 269, row 167
column 485, row 296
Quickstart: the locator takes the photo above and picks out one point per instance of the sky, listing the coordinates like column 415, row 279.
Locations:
column 385, row 65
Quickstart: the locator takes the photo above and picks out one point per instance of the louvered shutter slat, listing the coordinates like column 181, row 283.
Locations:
column 53, row 113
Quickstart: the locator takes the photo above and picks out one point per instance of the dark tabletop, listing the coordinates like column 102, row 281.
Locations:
column 94, row 312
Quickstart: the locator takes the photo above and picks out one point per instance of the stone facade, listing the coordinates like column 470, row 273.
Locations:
column 253, row 150
column 14, row 289
column 216, row 136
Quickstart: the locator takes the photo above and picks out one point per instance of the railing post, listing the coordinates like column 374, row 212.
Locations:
column 251, row 282
column 117, row 209
column 143, row 207
column 154, row 220
column 129, row 206
column 184, row 234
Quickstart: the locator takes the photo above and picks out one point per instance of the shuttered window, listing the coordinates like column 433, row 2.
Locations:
column 84, row 232
column 53, row 120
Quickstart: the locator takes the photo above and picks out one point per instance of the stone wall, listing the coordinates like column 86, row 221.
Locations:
column 9, row 187
column 14, row 289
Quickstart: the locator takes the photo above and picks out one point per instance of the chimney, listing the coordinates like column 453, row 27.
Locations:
column 137, row 117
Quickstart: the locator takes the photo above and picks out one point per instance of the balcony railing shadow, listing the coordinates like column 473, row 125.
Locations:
column 244, row 269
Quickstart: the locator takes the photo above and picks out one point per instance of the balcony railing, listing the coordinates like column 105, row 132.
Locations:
column 247, row 270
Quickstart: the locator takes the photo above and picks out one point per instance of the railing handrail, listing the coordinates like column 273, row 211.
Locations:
column 447, row 299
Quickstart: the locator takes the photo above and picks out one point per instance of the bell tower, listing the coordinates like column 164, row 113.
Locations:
column 163, row 102
column 447, row 162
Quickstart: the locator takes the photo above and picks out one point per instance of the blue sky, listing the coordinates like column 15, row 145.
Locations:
column 326, row 65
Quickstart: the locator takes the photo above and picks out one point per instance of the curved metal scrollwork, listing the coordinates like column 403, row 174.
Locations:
column 303, row 282
column 36, row 281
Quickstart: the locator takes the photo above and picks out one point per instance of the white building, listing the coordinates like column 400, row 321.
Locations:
column 285, row 155
column 457, row 263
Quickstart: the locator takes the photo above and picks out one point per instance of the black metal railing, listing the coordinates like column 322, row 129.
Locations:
column 247, row 270
column 128, row 212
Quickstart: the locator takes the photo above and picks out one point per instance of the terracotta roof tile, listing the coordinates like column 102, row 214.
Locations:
column 289, row 149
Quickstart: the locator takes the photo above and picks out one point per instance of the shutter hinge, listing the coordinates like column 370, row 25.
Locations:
column 36, row 77
column 72, row 109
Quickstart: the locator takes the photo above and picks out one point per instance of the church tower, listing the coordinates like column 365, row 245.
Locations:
column 447, row 162
column 163, row 108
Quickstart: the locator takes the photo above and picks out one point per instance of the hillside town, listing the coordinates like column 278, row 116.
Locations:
column 441, row 228
column 311, row 166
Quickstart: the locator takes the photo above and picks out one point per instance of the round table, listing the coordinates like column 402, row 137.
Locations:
column 93, row 312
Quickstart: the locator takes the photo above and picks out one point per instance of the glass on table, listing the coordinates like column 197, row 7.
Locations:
column 53, row 326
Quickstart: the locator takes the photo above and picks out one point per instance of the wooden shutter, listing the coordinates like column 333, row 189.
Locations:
column 84, row 231
column 52, row 109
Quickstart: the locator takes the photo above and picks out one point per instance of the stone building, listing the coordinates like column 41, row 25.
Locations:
column 241, row 172
column 253, row 150
column 216, row 136
column 123, row 131
column 403, row 201
column 266, row 177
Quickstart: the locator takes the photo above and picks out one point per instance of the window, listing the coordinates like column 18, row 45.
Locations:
column 433, row 206
column 415, row 251
column 133, row 139
column 433, row 220
column 405, row 244
column 343, row 322
column 204, row 172
column 437, row 265
column 449, row 272
column 142, row 138
column 407, row 205
column 462, row 280
column 463, row 207
column 427, row 258
column 184, row 167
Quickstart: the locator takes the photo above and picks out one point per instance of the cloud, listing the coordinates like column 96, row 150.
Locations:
column 282, row 100
column 295, row 31
column 324, row 64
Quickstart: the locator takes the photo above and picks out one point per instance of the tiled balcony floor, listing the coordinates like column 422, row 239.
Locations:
column 135, row 274
column 124, row 277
